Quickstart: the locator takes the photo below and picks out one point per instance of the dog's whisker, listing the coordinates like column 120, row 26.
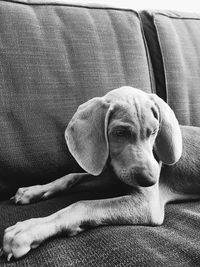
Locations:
column 9, row 256
column 1, row 252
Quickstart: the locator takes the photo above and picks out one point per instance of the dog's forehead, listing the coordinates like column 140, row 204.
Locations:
column 125, row 112
column 130, row 106
column 129, row 101
column 128, row 95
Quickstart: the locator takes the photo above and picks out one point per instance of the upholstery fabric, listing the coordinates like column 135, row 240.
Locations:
column 53, row 57
column 175, row 243
column 178, row 38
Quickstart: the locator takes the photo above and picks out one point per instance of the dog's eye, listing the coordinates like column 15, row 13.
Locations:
column 121, row 132
column 154, row 132
column 155, row 113
column 151, row 132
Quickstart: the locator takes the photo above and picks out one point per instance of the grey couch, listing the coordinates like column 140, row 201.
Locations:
column 55, row 56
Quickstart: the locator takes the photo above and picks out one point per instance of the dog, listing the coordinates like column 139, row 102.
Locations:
column 137, row 137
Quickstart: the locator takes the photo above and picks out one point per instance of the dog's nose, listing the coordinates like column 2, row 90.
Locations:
column 143, row 177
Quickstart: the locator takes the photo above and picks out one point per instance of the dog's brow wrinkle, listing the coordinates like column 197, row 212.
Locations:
column 124, row 115
column 138, row 109
column 139, row 118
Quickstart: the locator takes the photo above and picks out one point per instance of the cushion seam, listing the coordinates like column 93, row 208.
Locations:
column 87, row 6
column 160, row 81
column 173, row 17
column 163, row 60
column 150, row 68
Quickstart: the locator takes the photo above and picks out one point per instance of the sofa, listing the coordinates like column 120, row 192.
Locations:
column 55, row 56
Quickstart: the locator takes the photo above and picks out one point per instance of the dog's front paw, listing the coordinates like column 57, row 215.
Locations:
column 26, row 195
column 20, row 238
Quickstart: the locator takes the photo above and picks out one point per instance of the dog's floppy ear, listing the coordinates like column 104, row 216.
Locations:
column 86, row 135
column 168, row 144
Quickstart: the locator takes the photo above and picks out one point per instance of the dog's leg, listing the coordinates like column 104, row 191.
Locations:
column 73, row 181
column 129, row 209
column 26, row 195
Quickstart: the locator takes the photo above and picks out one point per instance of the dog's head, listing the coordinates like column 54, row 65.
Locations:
column 133, row 130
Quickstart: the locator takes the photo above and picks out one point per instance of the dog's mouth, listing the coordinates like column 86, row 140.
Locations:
column 143, row 181
column 139, row 179
column 137, row 176
column 135, row 179
column 122, row 177
column 126, row 177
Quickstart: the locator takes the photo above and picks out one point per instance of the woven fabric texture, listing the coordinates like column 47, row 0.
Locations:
column 52, row 59
column 175, row 243
column 178, row 35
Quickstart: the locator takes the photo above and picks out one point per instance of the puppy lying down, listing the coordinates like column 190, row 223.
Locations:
column 135, row 136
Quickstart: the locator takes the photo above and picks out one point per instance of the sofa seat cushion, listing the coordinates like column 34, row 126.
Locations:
column 175, row 243
column 174, row 44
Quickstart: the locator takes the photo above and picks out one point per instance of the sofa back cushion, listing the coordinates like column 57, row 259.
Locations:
column 174, row 43
column 53, row 57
